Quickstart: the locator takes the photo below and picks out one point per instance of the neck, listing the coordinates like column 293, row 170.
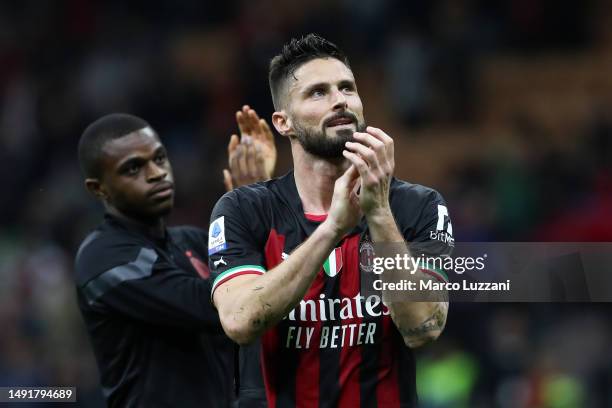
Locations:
column 155, row 227
column 315, row 178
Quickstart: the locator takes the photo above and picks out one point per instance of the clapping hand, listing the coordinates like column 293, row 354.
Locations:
column 252, row 157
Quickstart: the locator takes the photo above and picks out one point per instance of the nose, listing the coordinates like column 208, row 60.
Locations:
column 340, row 102
column 156, row 172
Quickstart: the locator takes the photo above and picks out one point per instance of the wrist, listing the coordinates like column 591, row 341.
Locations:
column 331, row 230
column 379, row 216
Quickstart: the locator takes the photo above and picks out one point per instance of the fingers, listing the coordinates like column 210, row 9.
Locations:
column 356, row 186
column 350, row 174
column 367, row 154
column 348, row 178
column 379, row 134
column 243, row 167
column 381, row 144
column 227, row 180
column 366, row 161
column 233, row 143
column 256, row 131
column 243, row 126
column 247, row 163
column 386, row 140
column 369, row 140
column 233, row 159
column 357, row 162
column 238, row 163
column 249, row 122
column 267, row 134
column 244, row 117
column 254, row 124
column 261, row 164
column 251, row 161
column 382, row 147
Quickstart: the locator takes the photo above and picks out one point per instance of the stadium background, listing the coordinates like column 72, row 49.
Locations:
column 506, row 109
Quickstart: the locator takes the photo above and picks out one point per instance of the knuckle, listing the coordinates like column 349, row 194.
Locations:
column 369, row 154
column 378, row 144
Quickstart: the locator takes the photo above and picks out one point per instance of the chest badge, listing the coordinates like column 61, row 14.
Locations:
column 333, row 264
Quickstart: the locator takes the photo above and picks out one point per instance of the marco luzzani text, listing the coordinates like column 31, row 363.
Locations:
column 411, row 264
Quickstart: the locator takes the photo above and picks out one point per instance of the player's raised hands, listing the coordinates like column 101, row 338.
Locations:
column 252, row 157
column 373, row 155
column 252, row 125
column 345, row 212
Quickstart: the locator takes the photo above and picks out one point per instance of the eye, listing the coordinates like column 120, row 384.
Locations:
column 160, row 159
column 347, row 89
column 132, row 169
column 317, row 93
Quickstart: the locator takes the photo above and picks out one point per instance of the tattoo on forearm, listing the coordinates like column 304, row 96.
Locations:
column 431, row 324
column 434, row 322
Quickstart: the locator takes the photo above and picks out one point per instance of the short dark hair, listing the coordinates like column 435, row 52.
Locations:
column 294, row 54
column 94, row 137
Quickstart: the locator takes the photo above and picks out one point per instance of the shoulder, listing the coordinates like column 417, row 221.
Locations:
column 106, row 248
column 417, row 209
column 405, row 195
column 254, row 193
column 251, row 200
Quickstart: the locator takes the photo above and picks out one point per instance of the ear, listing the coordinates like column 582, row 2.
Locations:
column 282, row 123
column 96, row 188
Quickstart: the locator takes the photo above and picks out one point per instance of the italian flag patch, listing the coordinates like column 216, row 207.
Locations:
column 333, row 264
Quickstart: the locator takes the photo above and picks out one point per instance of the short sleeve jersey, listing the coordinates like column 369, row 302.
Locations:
column 337, row 347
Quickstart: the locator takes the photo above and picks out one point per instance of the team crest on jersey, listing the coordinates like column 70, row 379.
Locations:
column 366, row 256
column 216, row 236
column 333, row 264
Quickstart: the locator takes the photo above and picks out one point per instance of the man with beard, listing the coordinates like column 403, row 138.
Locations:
column 143, row 289
column 285, row 252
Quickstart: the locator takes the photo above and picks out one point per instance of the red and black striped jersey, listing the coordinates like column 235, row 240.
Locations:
column 339, row 346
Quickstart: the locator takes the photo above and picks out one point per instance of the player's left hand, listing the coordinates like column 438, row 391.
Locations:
column 373, row 156
column 252, row 157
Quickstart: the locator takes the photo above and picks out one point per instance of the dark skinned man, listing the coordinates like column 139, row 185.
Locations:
column 142, row 287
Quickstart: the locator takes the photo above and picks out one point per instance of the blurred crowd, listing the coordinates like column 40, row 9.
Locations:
column 505, row 108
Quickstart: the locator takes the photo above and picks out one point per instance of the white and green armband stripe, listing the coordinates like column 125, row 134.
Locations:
column 433, row 271
column 233, row 272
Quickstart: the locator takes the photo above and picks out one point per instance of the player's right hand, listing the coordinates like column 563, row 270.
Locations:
column 345, row 211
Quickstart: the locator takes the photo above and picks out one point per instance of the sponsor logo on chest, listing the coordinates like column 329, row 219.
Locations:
column 354, row 321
